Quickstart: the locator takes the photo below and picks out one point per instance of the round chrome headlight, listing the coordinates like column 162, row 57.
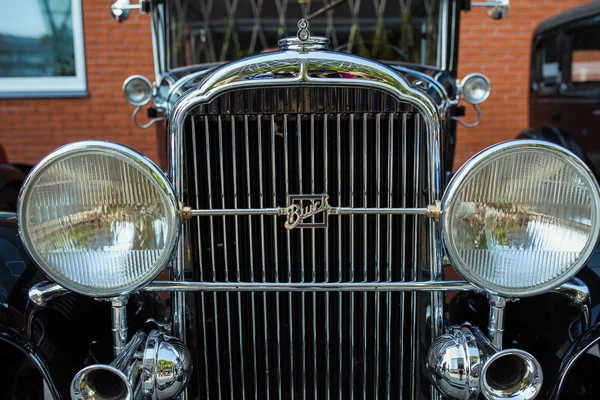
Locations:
column 521, row 217
column 475, row 88
column 98, row 218
column 137, row 90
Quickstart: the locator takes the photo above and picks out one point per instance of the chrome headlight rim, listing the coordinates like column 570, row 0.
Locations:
column 136, row 160
column 146, row 82
column 471, row 76
column 479, row 161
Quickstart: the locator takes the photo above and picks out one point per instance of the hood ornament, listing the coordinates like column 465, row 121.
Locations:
column 303, row 41
column 303, row 32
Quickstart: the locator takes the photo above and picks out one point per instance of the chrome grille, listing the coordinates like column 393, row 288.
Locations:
column 253, row 149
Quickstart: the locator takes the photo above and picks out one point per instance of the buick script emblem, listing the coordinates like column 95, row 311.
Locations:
column 307, row 211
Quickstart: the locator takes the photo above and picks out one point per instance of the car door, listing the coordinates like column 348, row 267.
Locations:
column 579, row 105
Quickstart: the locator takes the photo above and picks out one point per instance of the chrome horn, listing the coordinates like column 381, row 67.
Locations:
column 119, row 380
column 159, row 370
column 463, row 363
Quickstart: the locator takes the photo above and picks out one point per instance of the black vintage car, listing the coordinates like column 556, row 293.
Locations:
column 304, row 241
column 564, row 96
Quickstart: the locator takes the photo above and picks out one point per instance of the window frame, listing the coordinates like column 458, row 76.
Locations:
column 54, row 86
column 570, row 33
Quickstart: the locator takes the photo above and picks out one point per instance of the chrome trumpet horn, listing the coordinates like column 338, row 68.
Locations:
column 119, row 380
column 153, row 367
column 463, row 363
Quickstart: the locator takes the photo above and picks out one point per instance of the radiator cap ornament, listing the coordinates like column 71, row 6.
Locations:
column 303, row 42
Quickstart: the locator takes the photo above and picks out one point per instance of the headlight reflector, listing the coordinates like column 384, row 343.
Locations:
column 99, row 218
column 137, row 90
column 475, row 88
column 521, row 217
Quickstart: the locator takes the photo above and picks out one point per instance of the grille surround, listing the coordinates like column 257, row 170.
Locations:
column 324, row 70
column 221, row 316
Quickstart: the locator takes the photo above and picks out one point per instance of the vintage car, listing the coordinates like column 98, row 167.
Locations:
column 302, row 239
column 564, row 96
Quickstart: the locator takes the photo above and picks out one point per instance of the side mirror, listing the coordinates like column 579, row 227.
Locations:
column 497, row 9
column 120, row 9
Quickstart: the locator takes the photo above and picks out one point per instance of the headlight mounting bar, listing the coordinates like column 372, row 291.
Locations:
column 296, row 213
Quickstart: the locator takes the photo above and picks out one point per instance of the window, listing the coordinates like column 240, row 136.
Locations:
column 41, row 49
column 585, row 57
column 548, row 61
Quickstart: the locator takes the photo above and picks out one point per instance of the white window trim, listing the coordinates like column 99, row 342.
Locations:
column 57, row 86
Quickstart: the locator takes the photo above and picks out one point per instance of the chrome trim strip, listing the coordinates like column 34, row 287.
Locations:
column 284, row 211
column 377, row 246
column 225, row 252
column 275, row 248
column 253, row 300
column 237, row 253
column 212, row 248
column 314, row 260
column 435, row 286
column 339, row 190
column 262, row 243
column 415, row 333
column 327, row 334
column 365, row 261
column 203, row 305
column 352, row 271
column 289, row 255
column 302, row 271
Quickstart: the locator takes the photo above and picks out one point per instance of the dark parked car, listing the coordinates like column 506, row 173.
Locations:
column 303, row 242
column 564, row 97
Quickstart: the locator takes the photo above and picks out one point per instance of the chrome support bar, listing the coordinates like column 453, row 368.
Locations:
column 119, row 323
column 160, row 286
column 41, row 293
column 490, row 3
column 576, row 290
column 496, row 322
column 45, row 291
column 429, row 211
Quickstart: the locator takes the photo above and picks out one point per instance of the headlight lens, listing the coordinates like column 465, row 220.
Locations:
column 521, row 217
column 99, row 218
column 137, row 89
column 475, row 88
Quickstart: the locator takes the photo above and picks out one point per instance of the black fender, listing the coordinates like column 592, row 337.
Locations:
column 11, row 179
column 573, row 354
column 60, row 338
column 549, row 325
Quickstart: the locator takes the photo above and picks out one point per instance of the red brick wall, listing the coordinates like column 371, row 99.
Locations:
column 31, row 128
column 501, row 51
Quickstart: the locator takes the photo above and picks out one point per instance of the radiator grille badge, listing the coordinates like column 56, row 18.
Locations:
column 314, row 208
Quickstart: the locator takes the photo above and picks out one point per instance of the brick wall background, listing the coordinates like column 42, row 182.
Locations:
column 501, row 51
column 30, row 128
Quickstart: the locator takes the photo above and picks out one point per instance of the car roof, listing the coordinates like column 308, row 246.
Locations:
column 574, row 14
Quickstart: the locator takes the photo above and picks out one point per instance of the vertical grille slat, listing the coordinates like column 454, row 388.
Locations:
column 251, row 258
column 352, row 271
column 275, row 249
column 201, row 269
column 307, row 345
column 414, row 273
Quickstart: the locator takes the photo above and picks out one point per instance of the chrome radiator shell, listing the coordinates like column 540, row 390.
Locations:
column 305, row 72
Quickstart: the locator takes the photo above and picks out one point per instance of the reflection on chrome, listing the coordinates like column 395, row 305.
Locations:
column 463, row 363
column 520, row 218
column 162, row 371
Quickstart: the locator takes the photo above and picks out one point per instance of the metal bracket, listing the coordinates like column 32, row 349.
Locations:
column 120, row 8
column 496, row 321
column 497, row 9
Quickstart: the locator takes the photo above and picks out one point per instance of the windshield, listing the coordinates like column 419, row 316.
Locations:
column 205, row 31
